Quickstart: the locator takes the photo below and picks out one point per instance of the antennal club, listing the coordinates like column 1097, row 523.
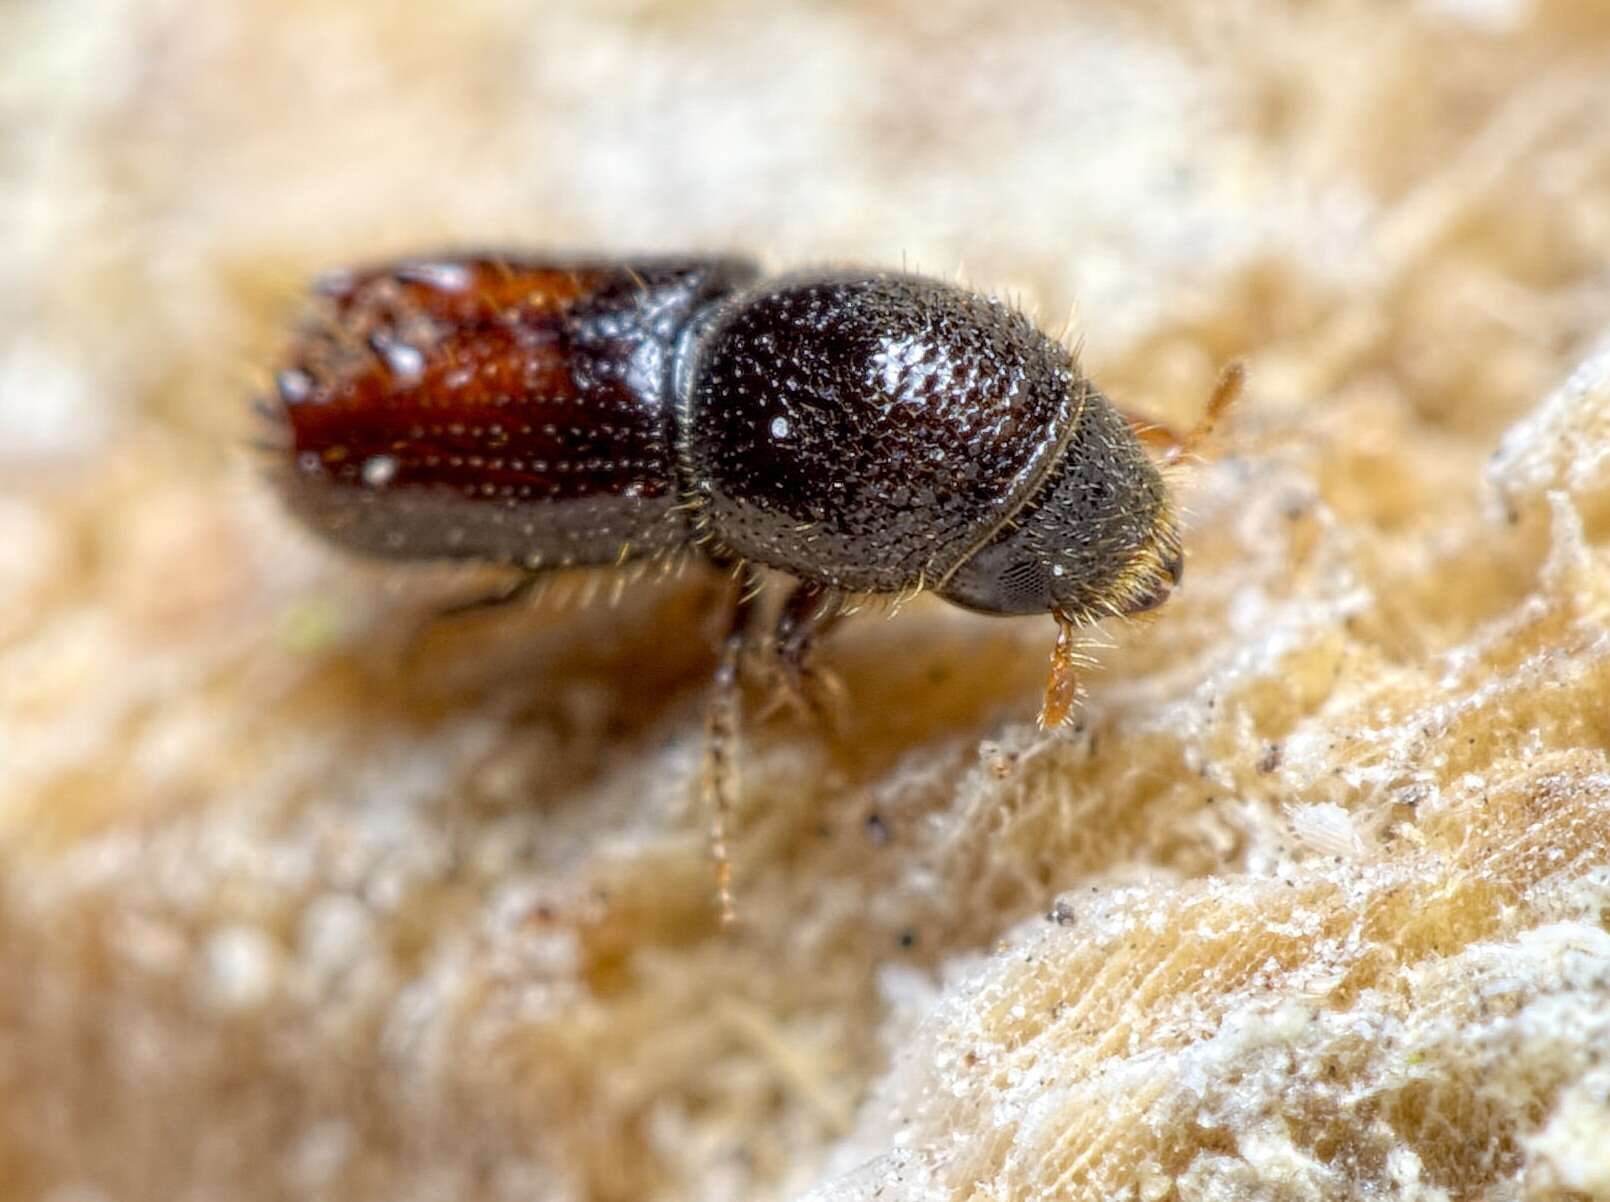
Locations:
column 1226, row 391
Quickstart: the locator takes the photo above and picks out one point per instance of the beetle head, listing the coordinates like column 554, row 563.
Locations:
column 1096, row 539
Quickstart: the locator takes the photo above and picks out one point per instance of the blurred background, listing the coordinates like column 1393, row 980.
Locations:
column 287, row 912
column 174, row 171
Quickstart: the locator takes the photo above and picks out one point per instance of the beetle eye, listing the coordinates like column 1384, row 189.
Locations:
column 1024, row 585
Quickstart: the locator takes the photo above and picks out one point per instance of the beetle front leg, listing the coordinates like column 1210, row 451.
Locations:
column 723, row 725
column 808, row 613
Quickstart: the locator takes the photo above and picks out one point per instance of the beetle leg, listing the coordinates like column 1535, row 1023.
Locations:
column 808, row 613
column 723, row 721
column 510, row 594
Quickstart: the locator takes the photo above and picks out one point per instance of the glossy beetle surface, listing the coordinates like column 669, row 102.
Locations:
column 863, row 431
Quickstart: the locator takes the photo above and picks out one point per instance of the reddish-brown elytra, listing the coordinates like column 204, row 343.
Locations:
column 489, row 409
column 865, row 432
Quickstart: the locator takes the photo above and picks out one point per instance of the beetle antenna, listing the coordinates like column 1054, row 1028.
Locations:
column 1062, row 685
column 1225, row 392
